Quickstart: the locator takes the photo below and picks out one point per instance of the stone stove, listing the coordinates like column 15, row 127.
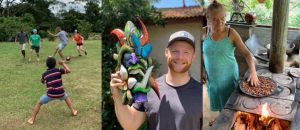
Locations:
column 282, row 105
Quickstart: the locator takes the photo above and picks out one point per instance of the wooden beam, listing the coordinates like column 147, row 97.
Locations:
column 279, row 35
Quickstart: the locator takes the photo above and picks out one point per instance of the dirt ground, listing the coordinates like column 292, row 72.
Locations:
column 207, row 114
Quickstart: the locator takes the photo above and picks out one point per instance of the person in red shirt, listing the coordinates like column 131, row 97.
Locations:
column 79, row 40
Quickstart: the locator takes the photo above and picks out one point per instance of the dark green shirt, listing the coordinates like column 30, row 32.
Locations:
column 35, row 40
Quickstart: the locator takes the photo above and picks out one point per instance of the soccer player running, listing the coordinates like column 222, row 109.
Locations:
column 36, row 43
column 63, row 37
column 79, row 41
column 22, row 38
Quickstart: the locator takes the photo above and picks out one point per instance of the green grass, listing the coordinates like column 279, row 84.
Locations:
column 21, row 88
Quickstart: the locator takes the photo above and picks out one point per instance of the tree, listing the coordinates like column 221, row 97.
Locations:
column 263, row 11
column 28, row 18
column 84, row 27
column 114, row 14
column 70, row 19
column 5, row 7
column 38, row 8
column 11, row 25
column 92, row 13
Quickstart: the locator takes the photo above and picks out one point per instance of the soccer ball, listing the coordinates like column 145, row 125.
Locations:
column 68, row 58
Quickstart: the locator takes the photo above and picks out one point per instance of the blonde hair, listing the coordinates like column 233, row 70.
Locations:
column 215, row 6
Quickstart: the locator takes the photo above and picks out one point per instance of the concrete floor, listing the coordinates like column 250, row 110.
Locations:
column 207, row 114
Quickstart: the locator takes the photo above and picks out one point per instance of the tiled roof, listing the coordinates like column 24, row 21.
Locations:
column 183, row 12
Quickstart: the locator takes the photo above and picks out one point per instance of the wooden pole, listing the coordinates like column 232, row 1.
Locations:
column 279, row 35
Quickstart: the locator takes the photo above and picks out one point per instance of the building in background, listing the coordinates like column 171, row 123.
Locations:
column 190, row 19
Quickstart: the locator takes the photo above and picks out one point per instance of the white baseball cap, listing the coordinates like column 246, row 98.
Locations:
column 182, row 36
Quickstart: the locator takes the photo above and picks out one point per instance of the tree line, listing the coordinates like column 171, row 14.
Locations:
column 30, row 14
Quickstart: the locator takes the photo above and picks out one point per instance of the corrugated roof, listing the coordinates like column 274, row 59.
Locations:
column 183, row 12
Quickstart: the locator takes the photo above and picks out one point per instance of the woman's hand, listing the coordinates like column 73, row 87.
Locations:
column 253, row 79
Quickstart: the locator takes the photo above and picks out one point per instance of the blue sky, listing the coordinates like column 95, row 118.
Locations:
column 79, row 6
column 174, row 3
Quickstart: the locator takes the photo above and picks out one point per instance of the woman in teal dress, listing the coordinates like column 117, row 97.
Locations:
column 220, row 66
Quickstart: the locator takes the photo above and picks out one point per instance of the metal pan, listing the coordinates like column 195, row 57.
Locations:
column 295, row 72
column 273, row 91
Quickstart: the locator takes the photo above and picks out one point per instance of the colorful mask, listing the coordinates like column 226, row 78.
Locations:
column 134, row 63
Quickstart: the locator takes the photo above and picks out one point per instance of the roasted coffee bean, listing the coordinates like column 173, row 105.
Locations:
column 267, row 87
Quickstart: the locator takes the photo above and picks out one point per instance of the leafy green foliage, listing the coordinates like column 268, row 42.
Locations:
column 39, row 9
column 296, row 21
column 92, row 13
column 268, row 4
column 11, row 25
column 227, row 4
column 264, row 11
column 27, row 13
column 42, row 33
column 28, row 18
column 70, row 19
column 84, row 28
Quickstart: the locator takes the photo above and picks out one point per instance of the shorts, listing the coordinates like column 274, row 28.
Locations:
column 61, row 46
column 79, row 44
column 36, row 48
column 45, row 98
column 22, row 46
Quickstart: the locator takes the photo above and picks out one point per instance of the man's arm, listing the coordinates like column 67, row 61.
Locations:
column 128, row 117
column 30, row 42
column 82, row 38
column 53, row 35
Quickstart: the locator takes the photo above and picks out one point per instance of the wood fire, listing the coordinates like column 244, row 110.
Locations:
column 249, row 121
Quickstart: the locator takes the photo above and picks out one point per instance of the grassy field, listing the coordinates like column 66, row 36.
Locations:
column 21, row 88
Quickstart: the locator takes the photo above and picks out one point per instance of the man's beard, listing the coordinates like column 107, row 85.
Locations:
column 183, row 70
